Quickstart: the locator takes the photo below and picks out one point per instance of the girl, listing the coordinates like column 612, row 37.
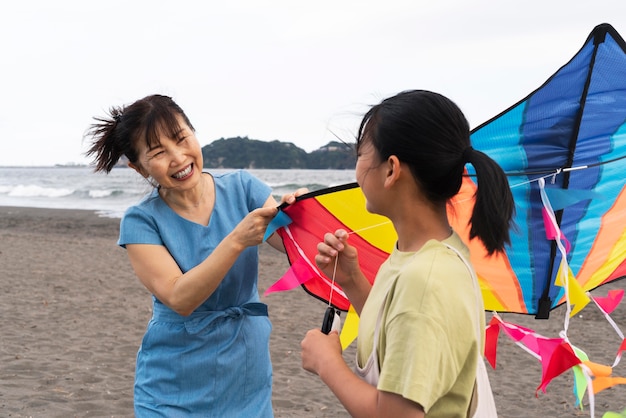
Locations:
column 418, row 348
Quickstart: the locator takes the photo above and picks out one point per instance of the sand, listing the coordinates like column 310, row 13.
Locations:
column 73, row 314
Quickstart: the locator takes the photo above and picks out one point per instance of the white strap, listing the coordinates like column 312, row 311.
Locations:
column 482, row 404
column 477, row 293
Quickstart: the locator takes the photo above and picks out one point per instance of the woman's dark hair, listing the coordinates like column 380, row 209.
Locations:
column 117, row 135
column 429, row 132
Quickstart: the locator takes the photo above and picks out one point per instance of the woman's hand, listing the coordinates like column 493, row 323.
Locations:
column 274, row 240
column 251, row 230
column 290, row 198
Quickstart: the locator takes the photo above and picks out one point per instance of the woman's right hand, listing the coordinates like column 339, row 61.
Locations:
column 251, row 230
column 336, row 245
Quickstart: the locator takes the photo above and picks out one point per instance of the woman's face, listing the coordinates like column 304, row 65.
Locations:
column 174, row 162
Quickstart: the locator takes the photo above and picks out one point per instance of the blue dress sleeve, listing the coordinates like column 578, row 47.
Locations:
column 257, row 191
column 137, row 227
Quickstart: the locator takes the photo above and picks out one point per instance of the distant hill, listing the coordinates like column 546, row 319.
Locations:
column 242, row 152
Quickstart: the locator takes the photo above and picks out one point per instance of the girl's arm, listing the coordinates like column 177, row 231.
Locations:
column 321, row 354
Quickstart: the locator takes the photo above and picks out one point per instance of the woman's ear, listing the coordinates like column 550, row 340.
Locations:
column 138, row 169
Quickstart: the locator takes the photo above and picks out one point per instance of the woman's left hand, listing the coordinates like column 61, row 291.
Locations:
column 274, row 240
column 290, row 198
column 320, row 352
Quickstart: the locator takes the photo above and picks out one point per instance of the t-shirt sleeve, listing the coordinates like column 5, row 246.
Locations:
column 137, row 227
column 416, row 360
column 257, row 192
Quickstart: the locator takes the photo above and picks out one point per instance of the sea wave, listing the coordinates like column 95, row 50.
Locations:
column 111, row 195
column 100, row 194
column 290, row 187
column 32, row 190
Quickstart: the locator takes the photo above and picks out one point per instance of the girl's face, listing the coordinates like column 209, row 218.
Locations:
column 369, row 175
column 174, row 162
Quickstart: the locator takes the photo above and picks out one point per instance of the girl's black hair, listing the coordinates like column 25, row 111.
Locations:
column 429, row 132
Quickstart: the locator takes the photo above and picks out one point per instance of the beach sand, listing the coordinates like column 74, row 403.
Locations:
column 73, row 315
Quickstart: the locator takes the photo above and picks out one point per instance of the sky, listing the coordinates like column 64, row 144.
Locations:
column 293, row 71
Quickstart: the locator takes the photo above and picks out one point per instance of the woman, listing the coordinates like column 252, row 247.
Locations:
column 192, row 242
column 421, row 359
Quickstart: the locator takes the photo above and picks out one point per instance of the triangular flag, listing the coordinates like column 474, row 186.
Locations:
column 523, row 335
column 298, row 273
column 580, row 377
column 602, row 377
column 281, row 219
column 578, row 298
column 611, row 414
column 350, row 328
column 605, row 382
column 562, row 198
column 556, row 357
column 491, row 341
column 611, row 300
column 598, row 370
column 580, row 384
column 552, row 231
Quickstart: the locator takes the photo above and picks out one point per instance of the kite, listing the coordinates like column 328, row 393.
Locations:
column 570, row 132
column 563, row 148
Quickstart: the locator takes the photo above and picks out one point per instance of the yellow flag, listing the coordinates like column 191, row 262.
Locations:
column 577, row 296
column 350, row 328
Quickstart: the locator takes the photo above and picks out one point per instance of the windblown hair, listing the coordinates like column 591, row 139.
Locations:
column 118, row 133
column 429, row 132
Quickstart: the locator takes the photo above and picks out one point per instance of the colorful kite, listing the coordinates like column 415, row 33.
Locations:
column 571, row 132
column 563, row 148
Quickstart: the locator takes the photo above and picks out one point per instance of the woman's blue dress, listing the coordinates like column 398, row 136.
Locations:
column 215, row 362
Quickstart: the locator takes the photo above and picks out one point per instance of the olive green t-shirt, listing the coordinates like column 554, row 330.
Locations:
column 427, row 348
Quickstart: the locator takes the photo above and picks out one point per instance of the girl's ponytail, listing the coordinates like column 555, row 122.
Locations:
column 494, row 206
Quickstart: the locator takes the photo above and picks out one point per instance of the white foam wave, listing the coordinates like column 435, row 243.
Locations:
column 38, row 191
column 96, row 194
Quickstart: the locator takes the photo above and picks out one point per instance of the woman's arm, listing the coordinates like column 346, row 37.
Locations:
column 183, row 293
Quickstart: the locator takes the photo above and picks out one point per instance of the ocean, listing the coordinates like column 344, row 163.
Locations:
column 111, row 194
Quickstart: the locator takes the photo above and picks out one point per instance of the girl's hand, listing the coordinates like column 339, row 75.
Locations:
column 336, row 245
column 320, row 352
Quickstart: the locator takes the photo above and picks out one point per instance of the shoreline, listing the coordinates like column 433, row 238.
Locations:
column 74, row 314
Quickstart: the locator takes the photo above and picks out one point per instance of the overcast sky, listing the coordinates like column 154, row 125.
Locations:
column 290, row 70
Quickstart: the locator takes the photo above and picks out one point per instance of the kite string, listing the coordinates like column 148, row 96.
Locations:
column 332, row 284
column 369, row 227
column 551, row 175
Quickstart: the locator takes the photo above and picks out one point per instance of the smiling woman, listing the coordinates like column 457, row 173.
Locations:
column 192, row 242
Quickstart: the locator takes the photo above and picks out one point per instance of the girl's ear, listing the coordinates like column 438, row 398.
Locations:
column 393, row 170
